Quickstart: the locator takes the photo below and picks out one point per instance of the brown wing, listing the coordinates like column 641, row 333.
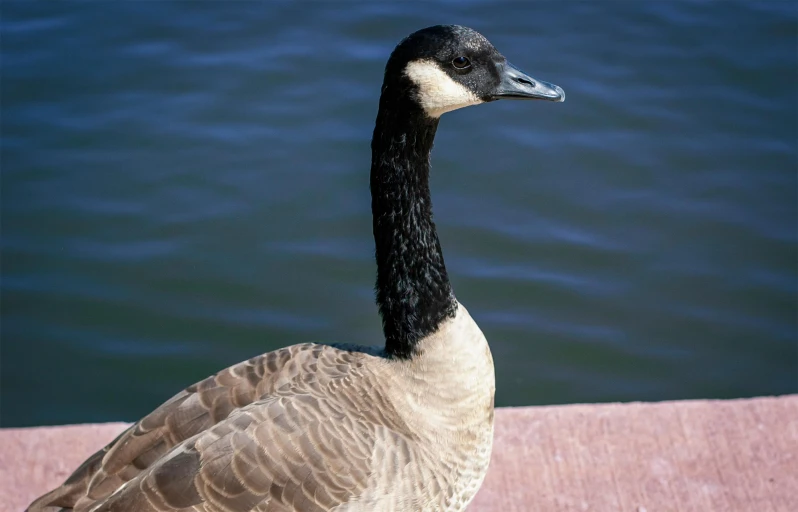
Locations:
column 302, row 450
column 194, row 411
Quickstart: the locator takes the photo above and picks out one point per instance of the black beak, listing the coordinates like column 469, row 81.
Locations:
column 517, row 85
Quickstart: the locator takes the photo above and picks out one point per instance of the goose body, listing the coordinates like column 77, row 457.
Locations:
column 316, row 427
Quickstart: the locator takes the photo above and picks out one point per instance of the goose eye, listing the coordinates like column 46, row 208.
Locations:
column 461, row 62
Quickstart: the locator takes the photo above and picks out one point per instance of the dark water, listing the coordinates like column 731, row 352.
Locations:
column 185, row 185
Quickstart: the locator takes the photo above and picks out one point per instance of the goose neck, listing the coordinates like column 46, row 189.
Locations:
column 413, row 290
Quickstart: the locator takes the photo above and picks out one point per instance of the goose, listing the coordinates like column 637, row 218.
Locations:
column 315, row 427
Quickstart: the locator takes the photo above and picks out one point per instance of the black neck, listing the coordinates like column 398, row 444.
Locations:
column 413, row 291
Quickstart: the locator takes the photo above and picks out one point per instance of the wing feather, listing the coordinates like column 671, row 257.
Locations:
column 297, row 450
column 290, row 389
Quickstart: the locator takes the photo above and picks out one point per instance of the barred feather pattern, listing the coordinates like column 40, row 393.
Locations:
column 308, row 428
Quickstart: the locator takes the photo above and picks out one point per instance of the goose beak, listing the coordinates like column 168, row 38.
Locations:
column 517, row 85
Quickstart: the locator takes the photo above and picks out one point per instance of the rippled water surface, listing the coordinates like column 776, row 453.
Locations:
column 185, row 185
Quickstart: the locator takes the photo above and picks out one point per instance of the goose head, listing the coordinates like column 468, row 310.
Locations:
column 447, row 67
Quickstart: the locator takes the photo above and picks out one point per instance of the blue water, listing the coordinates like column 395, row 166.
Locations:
column 185, row 185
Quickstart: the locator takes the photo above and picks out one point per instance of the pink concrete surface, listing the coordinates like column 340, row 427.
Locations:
column 708, row 456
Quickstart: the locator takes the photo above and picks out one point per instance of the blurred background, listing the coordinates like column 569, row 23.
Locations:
column 185, row 185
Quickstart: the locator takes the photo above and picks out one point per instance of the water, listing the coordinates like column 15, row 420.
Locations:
column 185, row 185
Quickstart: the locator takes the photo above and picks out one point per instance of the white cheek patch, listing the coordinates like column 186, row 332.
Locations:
column 437, row 92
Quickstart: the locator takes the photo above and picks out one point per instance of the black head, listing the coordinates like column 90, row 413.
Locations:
column 447, row 67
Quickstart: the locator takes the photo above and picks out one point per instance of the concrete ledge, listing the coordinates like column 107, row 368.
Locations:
column 736, row 455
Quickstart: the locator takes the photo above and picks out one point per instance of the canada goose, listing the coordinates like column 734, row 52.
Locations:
column 317, row 427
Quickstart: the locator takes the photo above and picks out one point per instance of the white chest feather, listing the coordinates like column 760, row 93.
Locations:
column 447, row 402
